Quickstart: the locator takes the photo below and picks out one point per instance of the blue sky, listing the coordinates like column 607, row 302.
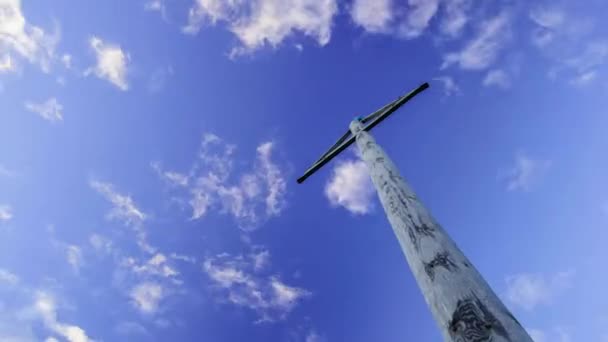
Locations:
column 149, row 151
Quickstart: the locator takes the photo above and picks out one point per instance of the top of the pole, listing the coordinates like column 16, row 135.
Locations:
column 367, row 124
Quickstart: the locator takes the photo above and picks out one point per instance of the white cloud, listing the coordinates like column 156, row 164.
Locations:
column 19, row 37
column 51, row 339
column 455, row 17
column 240, row 284
column 50, row 110
column 124, row 208
column 449, row 85
column 6, row 277
column 525, row 173
column 265, row 22
column 45, row 306
column 6, row 213
column 147, row 296
column 418, row 18
column 112, row 63
column 157, row 265
column 497, row 77
column 483, row 50
column 372, row 15
column 350, row 186
column 270, row 173
column 530, row 290
column 74, row 257
column 255, row 196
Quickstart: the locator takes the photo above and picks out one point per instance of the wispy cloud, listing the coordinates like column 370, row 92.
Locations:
column 483, row 50
column 525, row 173
column 112, row 63
column 125, row 210
column 529, row 290
column 449, row 85
column 100, row 243
column 6, row 213
column 158, row 78
column 7, row 277
column 123, row 206
column 74, row 257
column 498, row 78
column 147, row 296
column 19, row 37
column 45, row 306
column 265, row 22
column 157, row 265
column 240, row 283
column 350, row 187
column 252, row 198
column 418, row 17
column 50, row 110
column 455, row 17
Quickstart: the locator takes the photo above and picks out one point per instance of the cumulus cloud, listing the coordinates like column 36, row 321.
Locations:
column 529, row 290
column 147, row 296
column 265, row 22
column 250, row 197
column 350, row 187
column 6, row 213
column 525, row 173
column 112, row 63
column 483, row 50
column 372, row 15
column 240, row 283
column 50, row 110
column 20, row 38
column 45, row 306
column 449, row 85
column 498, row 78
